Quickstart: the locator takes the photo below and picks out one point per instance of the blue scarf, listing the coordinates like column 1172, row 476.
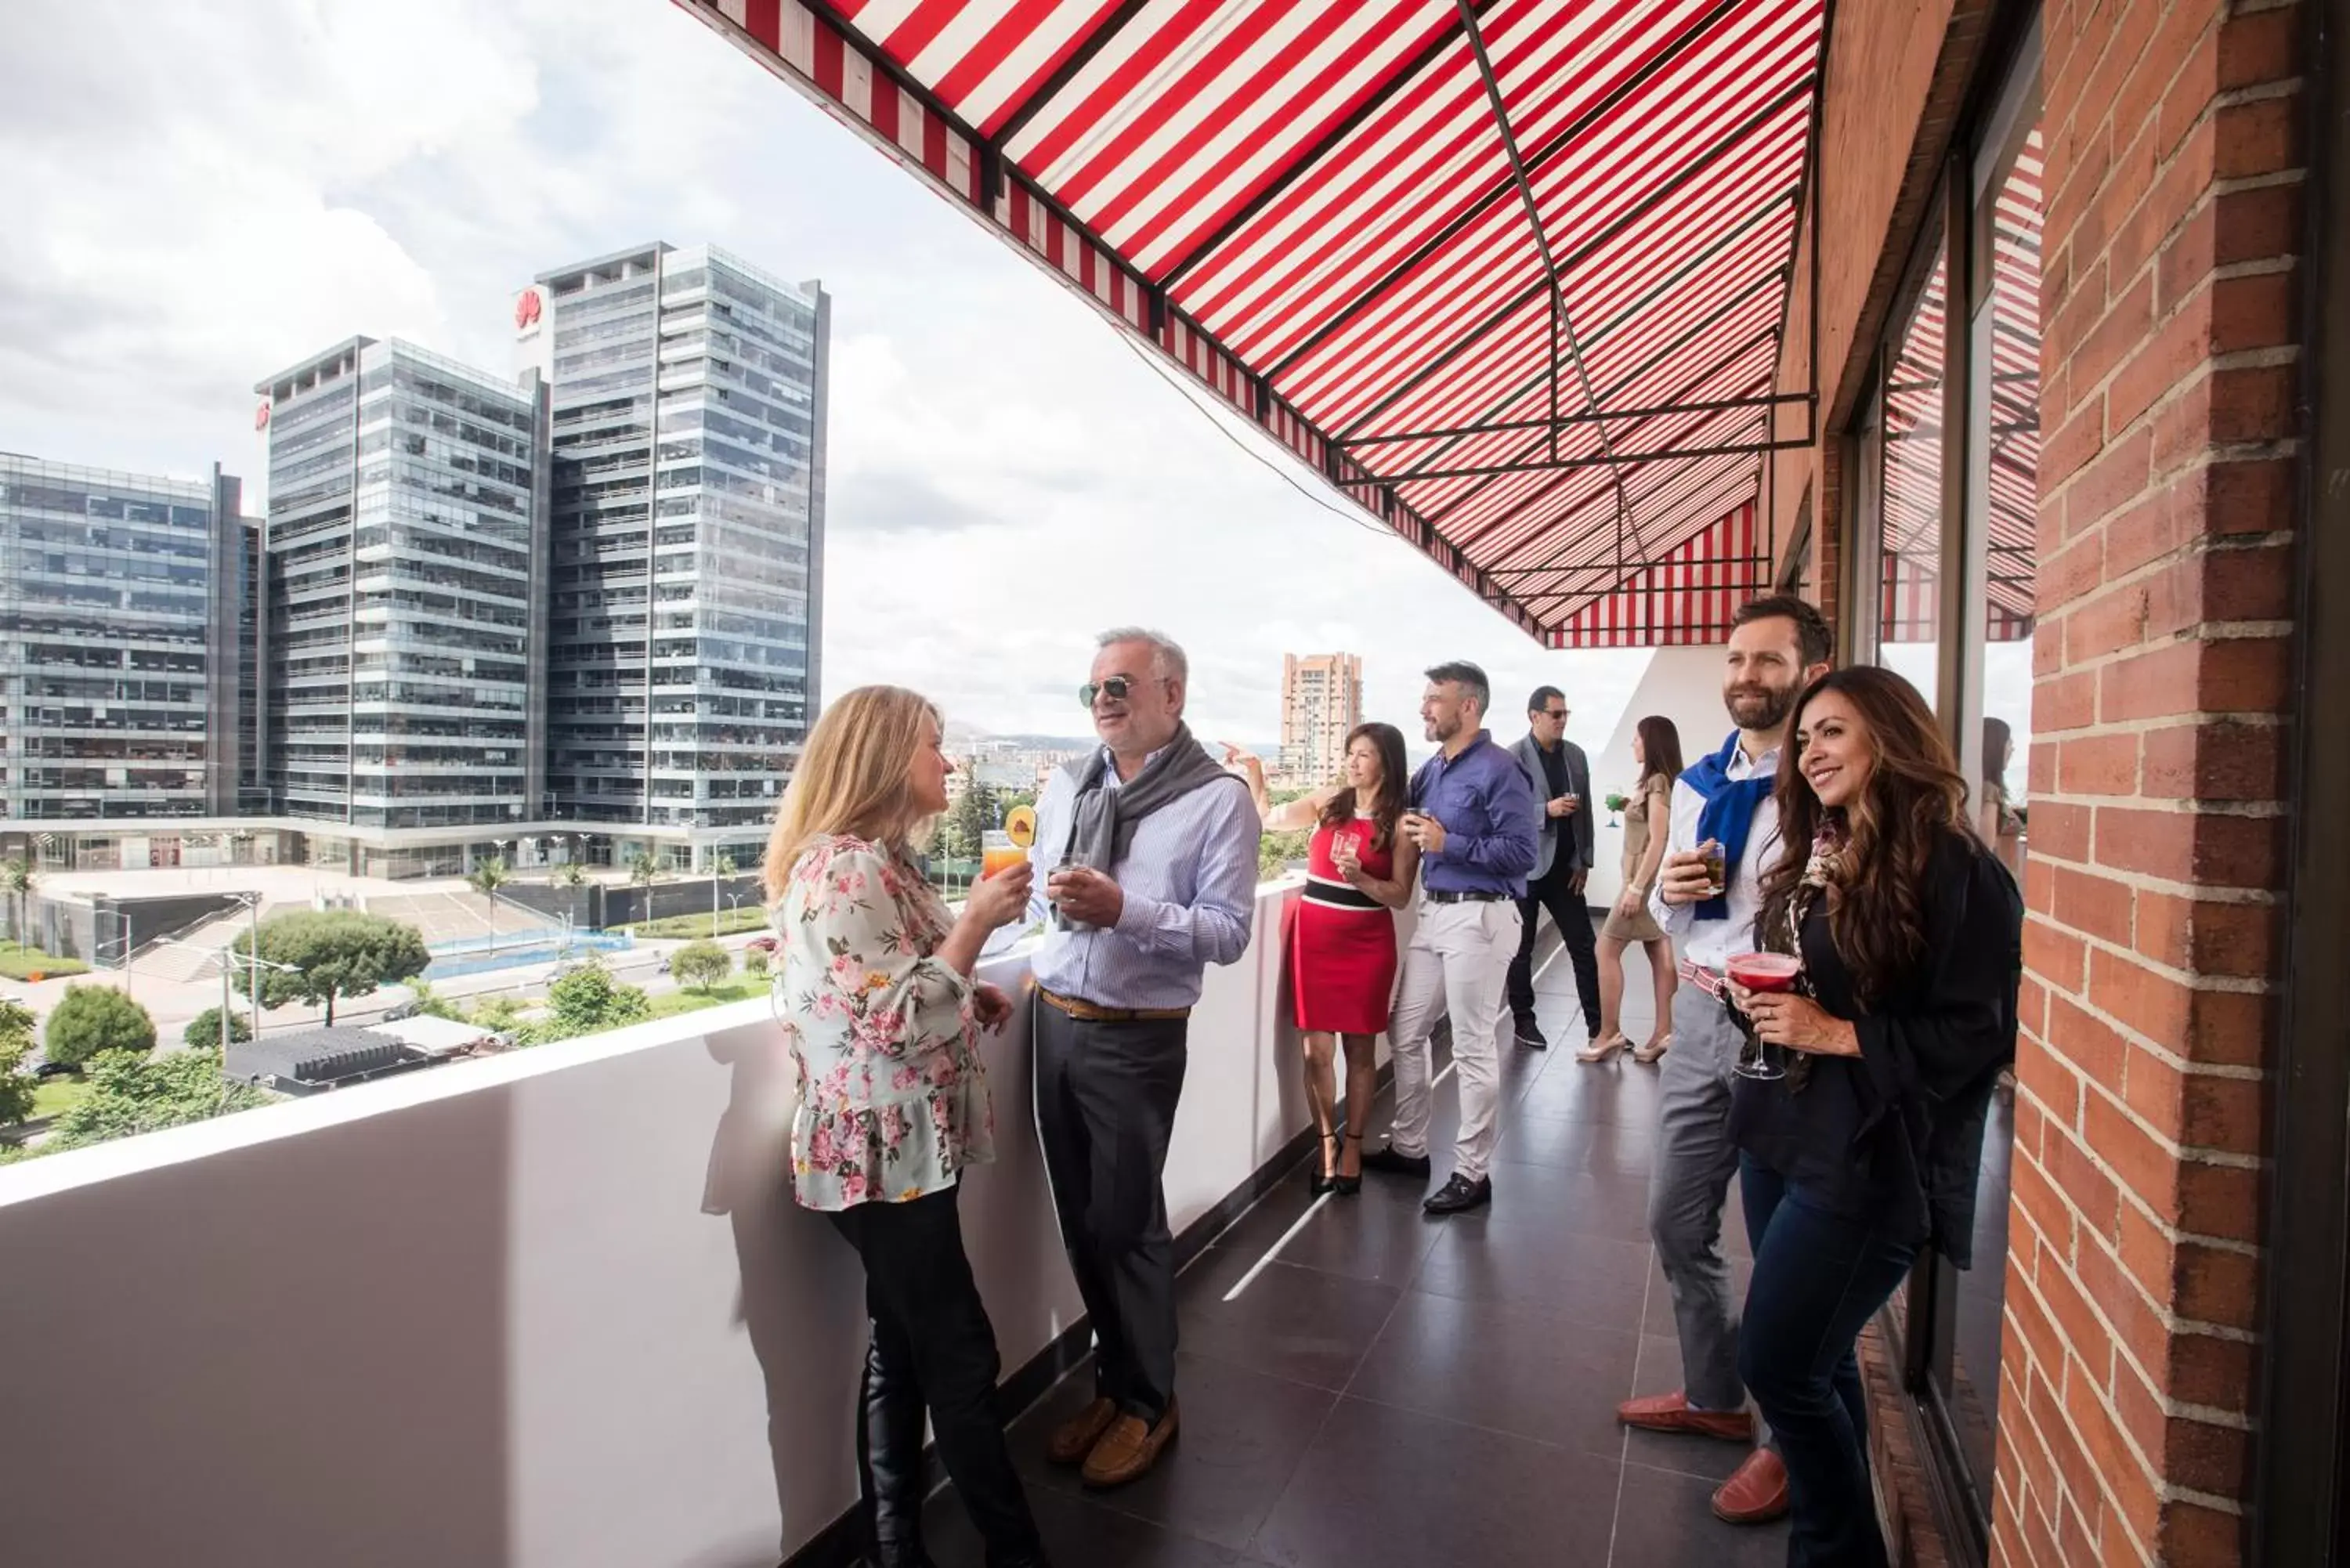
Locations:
column 1729, row 814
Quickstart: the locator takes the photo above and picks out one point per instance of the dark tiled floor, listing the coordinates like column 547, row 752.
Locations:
column 1396, row 1390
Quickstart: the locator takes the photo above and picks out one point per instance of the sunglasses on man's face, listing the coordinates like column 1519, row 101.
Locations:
column 1117, row 688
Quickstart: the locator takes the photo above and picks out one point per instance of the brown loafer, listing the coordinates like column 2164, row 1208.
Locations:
column 1671, row 1413
column 1128, row 1449
column 1756, row 1493
column 1074, row 1438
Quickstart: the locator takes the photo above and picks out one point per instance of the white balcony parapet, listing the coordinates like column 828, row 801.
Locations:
column 551, row 1310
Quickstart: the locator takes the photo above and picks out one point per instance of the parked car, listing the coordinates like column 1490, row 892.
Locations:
column 54, row 1070
column 408, row 1009
column 766, row 944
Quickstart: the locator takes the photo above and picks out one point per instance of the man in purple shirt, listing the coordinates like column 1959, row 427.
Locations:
column 1475, row 817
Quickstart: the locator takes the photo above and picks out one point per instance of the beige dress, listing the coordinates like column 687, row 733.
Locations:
column 1653, row 805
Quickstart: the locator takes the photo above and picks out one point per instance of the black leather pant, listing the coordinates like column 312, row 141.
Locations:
column 1573, row 918
column 932, row 1348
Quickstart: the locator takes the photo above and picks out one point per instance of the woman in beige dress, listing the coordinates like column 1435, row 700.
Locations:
column 1657, row 749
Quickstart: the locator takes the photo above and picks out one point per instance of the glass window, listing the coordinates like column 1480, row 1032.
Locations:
column 1910, row 551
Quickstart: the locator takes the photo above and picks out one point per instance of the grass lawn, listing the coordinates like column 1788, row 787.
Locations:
column 20, row 962
column 740, row 987
column 731, row 922
column 55, row 1096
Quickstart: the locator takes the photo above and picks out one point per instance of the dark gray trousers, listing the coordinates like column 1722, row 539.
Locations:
column 1105, row 1097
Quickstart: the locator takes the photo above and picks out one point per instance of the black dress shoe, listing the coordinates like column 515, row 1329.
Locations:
column 1390, row 1162
column 1460, row 1195
column 1530, row 1035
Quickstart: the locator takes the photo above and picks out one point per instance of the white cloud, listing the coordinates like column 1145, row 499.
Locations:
column 203, row 195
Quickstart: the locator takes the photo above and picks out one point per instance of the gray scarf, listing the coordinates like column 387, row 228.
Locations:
column 1101, row 826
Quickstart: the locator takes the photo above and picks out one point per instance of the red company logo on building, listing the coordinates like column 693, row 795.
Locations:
column 527, row 309
column 261, row 415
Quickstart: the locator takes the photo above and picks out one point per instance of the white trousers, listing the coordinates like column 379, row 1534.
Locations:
column 1458, row 963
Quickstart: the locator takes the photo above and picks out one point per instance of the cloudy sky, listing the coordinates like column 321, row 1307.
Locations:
column 199, row 196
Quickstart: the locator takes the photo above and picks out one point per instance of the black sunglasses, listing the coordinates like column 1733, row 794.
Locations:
column 1116, row 688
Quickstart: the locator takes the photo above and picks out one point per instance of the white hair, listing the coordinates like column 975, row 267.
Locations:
column 1167, row 659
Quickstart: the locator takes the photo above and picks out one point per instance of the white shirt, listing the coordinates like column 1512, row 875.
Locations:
column 1709, row 943
column 1189, row 881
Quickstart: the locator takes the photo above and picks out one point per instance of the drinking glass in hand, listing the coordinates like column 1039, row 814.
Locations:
column 1717, row 867
column 1761, row 972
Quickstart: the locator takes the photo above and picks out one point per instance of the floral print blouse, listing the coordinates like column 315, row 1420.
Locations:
column 893, row 1099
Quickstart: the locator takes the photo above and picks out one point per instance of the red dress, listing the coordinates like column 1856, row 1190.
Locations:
column 1342, row 951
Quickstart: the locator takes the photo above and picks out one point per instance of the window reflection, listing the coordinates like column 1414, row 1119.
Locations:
column 2007, row 351
column 1910, row 556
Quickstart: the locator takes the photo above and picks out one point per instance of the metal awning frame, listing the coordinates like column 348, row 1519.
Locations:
column 1337, row 456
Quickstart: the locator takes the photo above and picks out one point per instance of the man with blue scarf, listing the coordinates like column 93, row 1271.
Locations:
column 1778, row 644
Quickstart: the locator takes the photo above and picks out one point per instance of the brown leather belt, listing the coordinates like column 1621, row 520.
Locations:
column 1084, row 1011
column 1708, row 981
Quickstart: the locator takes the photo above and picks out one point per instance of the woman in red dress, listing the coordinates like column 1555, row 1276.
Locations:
column 1342, row 951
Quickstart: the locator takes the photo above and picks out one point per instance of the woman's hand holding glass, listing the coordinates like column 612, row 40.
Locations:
column 1001, row 899
column 1794, row 1021
column 1344, row 857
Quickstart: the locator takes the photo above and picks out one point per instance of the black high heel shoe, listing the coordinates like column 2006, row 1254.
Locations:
column 1326, row 1181
column 1346, row 1186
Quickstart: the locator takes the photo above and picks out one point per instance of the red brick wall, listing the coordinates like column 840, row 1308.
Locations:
column 2163, row 667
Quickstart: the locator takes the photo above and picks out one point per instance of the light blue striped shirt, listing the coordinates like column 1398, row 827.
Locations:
column 1189, row 881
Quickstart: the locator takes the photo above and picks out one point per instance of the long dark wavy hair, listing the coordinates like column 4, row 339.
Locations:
column 1913, row 800
column 1661, row 749
column 1387, row 803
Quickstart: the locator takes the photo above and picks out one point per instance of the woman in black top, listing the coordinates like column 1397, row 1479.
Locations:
column 1909, row 933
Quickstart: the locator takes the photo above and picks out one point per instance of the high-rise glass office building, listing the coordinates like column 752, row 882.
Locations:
column 684, row 613
column 404, row 540
column 124, row 682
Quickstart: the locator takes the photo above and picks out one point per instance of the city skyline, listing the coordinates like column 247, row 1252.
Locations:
column 1004, row 477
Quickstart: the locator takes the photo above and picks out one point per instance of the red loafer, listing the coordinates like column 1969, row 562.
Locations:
column 1756, row 1493
column 1671, row 1413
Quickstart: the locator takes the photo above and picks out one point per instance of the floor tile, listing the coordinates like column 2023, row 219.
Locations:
column 1540, row 1134
column 1299, row 1323
column 1385, row 1488
column 1512, row 1369
column 1666, row 1521
column 1585, row 1279
column 1552, row 1204
column 1078, row 1531
column 1242, row 1435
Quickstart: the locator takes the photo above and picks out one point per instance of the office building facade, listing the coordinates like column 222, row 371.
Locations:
column 125, row 685
column 684, row 613
column 404, row 546
column 1321, row 703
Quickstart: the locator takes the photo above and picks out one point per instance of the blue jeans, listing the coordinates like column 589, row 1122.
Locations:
column 1819, row 1276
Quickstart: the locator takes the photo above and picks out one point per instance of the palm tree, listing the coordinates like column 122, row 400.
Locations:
column 17, row 879
column 571, row 874
column 643, row 869
column 720, row 865
column 486, row 878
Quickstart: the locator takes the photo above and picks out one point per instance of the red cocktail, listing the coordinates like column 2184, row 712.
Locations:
column 1766, row 972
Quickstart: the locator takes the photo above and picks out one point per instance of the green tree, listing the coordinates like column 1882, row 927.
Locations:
column 15, row 1044
column 431, row 1002
column 754, row 960
column 132, row 1094
column 204, row 1029
column 96, row 1018
column 1275, row 851
column 643, row 869
column 334, row 954
column 698, row 966
column 16, row 879
column 588, row 999
column 570, row 874
column 485, row 878
column 497, row 1013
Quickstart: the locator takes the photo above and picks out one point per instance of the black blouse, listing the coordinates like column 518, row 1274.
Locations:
column 1895, row 1134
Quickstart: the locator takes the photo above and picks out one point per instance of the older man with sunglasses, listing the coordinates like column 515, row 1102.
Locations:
column 1146, row 862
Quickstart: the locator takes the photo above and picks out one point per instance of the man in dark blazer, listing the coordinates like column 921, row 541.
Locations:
column 1562, row 779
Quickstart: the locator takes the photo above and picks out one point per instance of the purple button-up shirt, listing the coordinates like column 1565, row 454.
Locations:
column 1492, row 820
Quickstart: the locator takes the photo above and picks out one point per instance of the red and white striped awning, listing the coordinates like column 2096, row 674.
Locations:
column 1511, row 273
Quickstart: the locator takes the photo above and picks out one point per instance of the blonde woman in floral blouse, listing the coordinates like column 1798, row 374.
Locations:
column 883, row 1017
